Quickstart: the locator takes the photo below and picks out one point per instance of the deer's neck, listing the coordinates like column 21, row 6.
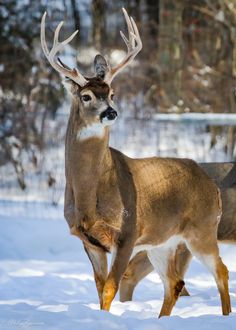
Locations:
column 88, row 159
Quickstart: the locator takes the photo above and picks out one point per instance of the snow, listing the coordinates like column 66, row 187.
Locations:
column 46, row 281
column 171, row 135
column 220, row 119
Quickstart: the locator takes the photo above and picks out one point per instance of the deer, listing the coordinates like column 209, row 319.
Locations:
column 119, row 205
column 224, row 174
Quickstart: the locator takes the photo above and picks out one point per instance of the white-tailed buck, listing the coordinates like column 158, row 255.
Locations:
column 224, row 174
column 122, row 205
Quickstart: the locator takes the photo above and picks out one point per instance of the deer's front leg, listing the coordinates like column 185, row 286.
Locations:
column 120, row 262
column 98, row 259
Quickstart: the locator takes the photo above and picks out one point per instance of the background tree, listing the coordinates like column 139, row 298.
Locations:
column 98, row 10
column 26, row 86
column 170, row 48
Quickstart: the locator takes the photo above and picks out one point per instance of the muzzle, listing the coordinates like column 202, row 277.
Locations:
column 108, row 115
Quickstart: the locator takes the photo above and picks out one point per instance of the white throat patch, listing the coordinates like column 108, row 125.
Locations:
column 96, row 130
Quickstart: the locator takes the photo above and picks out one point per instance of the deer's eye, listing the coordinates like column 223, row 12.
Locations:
column 86, row 98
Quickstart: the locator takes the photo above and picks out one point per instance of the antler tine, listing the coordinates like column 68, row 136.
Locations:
column 136, row 33
column 73, row 74
column 133, row 44
column 130, row 28
column 42, row 35
column 56, row 34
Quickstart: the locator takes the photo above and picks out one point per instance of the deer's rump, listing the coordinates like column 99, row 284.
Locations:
column 224, row 174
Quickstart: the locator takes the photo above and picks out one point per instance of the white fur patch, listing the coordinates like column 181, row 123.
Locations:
column 96, row 258
column 108, row 122
column 139, row 248
column 159, row 258
column 160, row 254
column 170, row 244
column 114, row 252
column 96, row 130
column 218, row 218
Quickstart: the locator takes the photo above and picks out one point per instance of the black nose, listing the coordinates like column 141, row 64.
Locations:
column 109, row 113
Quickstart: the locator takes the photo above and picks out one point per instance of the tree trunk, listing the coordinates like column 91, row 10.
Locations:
column 232, row 94
column 76, row 18
column 170, row 47
column 153, row 17
column 99, row 23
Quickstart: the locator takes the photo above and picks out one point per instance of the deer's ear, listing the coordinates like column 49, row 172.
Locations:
column 101, row 66
column 70, row 86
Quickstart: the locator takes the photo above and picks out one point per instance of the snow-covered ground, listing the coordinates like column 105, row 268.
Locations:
column 46, row 282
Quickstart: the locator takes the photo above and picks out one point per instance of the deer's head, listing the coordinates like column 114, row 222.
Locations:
column 94, row 96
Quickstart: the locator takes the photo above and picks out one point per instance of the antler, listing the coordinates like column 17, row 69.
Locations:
column 133, row 43
column 73, row 74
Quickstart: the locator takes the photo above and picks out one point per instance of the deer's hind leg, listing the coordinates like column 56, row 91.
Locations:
column 204, row 247
column 182, row 259
column 163, row 260
column 139, row 267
